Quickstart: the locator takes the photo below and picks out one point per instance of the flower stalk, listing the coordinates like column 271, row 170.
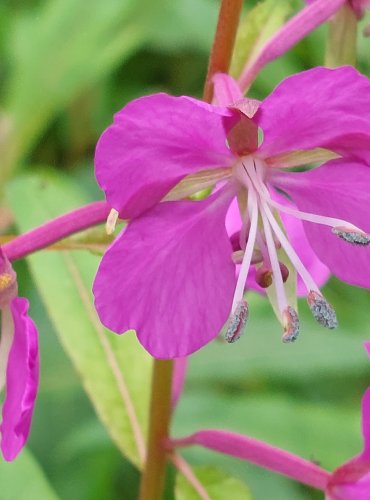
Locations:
column 56, row 229
column 223, row 45
column 153, row 477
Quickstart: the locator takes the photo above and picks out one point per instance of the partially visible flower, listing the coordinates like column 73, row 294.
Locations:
column 350, row 481
column 359, row 6
column 171, row 274
column 19, row 363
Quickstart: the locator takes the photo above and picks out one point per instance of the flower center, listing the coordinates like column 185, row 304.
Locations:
column 261, row 233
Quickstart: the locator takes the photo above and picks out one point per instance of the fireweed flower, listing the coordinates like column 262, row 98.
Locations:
column 170, row 275
column 19, row 364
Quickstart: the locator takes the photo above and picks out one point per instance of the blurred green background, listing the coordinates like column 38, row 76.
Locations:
column 65, row 67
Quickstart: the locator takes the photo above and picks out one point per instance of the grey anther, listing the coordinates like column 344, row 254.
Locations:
column 291, row 325
column 321, row 310
column 237, row 322
column 352, row 236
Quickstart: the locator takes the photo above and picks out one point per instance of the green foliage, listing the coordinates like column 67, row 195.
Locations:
column 24, row 480
column 115, row 371
column 215, row 481
column 258, row 25
column 65, row 67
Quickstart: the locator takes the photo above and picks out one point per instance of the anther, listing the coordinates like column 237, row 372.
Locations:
column 264, row 277
column 110, row 225
column 321, row 310
column 353, row 236
column 6, row 280
column 237, row 322
column 290, row 324
column 284, row 271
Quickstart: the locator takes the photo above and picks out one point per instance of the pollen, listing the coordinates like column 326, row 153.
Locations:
column 321, row 310
column 5, row 281
column 352, row 236
column 291, row 325
column 237, row 322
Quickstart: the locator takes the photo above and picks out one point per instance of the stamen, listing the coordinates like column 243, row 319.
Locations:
column 237, row 322
column 6, row 280
column 291, row 325
column 321, row 310
column 352, row 235
column 110, row 225
column 345, row 230
column 264, row 277
column 278, row 279
column 237, row 257
column 243, row 272
column 284, row 271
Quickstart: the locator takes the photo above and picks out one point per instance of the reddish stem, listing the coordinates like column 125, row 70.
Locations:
column 223, row 44
column 57, row 229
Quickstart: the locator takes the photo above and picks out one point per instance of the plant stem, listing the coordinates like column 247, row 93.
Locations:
column 223, row 44
column 57, row 229
column 342, row 38
column 153, row 477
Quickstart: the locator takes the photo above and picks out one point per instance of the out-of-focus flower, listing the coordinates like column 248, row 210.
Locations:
column 19, row 363
column 171, row 274
column 351, row 481
column 359, row 6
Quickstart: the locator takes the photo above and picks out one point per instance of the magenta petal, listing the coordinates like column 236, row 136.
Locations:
column 320, row 107
column 153, row 143
column 226, row 89
column 259, row 453
column 22, row 377
column 170, row 277
column 337, row 189
column 297, row 237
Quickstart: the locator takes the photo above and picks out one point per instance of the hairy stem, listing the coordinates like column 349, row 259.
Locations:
column 57, row 229
column 153, row 477
column 223, row 44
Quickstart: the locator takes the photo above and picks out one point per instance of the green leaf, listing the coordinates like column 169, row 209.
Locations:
column 218, row 484
column 258, row 25
column 115, row 370
column 33, row 483
column 57, row 52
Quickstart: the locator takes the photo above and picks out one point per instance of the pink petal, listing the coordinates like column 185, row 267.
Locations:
column 170, row 276
column 226, row 89
column 22, row 377
column 338, row 189
column 154, row 142
column 321, row 107
column 259, row 453
column 297, row 237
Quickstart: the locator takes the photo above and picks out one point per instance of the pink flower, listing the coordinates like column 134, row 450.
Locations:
column 351, row 481
column 19, row 364
column 171, row 274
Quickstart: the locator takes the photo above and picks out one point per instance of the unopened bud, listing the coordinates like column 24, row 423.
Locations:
column 284, row 271
column 237, row 322
column 290, row 324
column 264, row 277
column 321, row 310
column 353, row 236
